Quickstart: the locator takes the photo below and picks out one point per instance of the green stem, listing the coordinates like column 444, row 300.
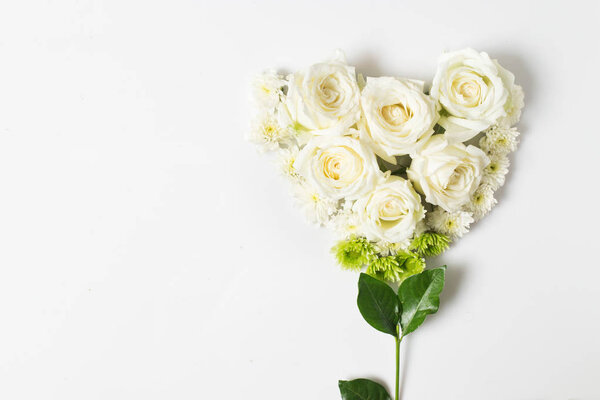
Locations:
column 398, row 341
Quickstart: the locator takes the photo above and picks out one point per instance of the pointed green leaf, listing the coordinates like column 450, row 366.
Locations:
column 420, row 296
column 378, row 304
column 362, row 389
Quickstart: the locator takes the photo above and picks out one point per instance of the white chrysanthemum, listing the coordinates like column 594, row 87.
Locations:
column 514, row 107
column 285, row 161
column 495, row 172
column 318, row 209
column 453, row 224
column 345, row 223
column 482, row 202
column 389, row 249
column 267, row 89
column 267, row 132
column 421, row 228
column 499, row 140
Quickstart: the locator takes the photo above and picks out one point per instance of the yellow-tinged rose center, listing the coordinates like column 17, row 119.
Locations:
column 341, row 164
column 392, row 209
column 396, row 114
column 330, row 92
column 468, row 88
column 460, row 179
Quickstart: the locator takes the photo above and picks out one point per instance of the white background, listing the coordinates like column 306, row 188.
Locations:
column 147, row 251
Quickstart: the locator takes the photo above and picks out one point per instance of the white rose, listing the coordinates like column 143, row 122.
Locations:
column 473, row 90
column 338, row 166
column 398, row 115
column 391, row 212
column 325, row 98
column 447, row 174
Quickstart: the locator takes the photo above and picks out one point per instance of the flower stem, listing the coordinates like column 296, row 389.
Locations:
column 398, row 341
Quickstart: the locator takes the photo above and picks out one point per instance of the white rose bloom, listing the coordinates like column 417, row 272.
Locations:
column 447, row 174
column 318, row 209
column 391, row 211
column 473, row 90
column 325, row 98
column 267, row 89
column 398, row 115
column 338, row 166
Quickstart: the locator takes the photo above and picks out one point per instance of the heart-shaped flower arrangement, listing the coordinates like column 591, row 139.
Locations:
column 397, row 172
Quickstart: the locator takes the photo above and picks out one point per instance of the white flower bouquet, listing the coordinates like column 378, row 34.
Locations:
column 397, row 172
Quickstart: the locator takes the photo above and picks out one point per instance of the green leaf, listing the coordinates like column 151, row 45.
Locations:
column 400, row 171
column 362, row 389
column 438, row 129
column 378, row 304
column 420, row 296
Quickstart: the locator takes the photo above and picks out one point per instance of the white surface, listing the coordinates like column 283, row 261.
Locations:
column 148, row 252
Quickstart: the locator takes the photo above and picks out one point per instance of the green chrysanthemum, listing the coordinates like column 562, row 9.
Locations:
column 382, row 268
column 430, row 244
column 396, row 268
column 411, row 265
column 354, row 253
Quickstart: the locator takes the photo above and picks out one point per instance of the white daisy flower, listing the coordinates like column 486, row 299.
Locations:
column 453, row 224
column 318, row 209
column 482, row 202
column 513, row 112
column 346, row 222
column 285, row 161
column 389, row 249
column 499, row 140
column 267, row 89
column 267, row 132
column 495, row 172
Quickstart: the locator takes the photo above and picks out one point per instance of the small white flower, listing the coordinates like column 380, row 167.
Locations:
column 267, row 89
column 389, row 249
column 267, row 132
column 482, row 202
column 285, row 161
column 499, row 140
column 514, row 106
column 495, row 172
column 421, row 228
column 318, row 209
column 346, row 223
column 453, row 224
